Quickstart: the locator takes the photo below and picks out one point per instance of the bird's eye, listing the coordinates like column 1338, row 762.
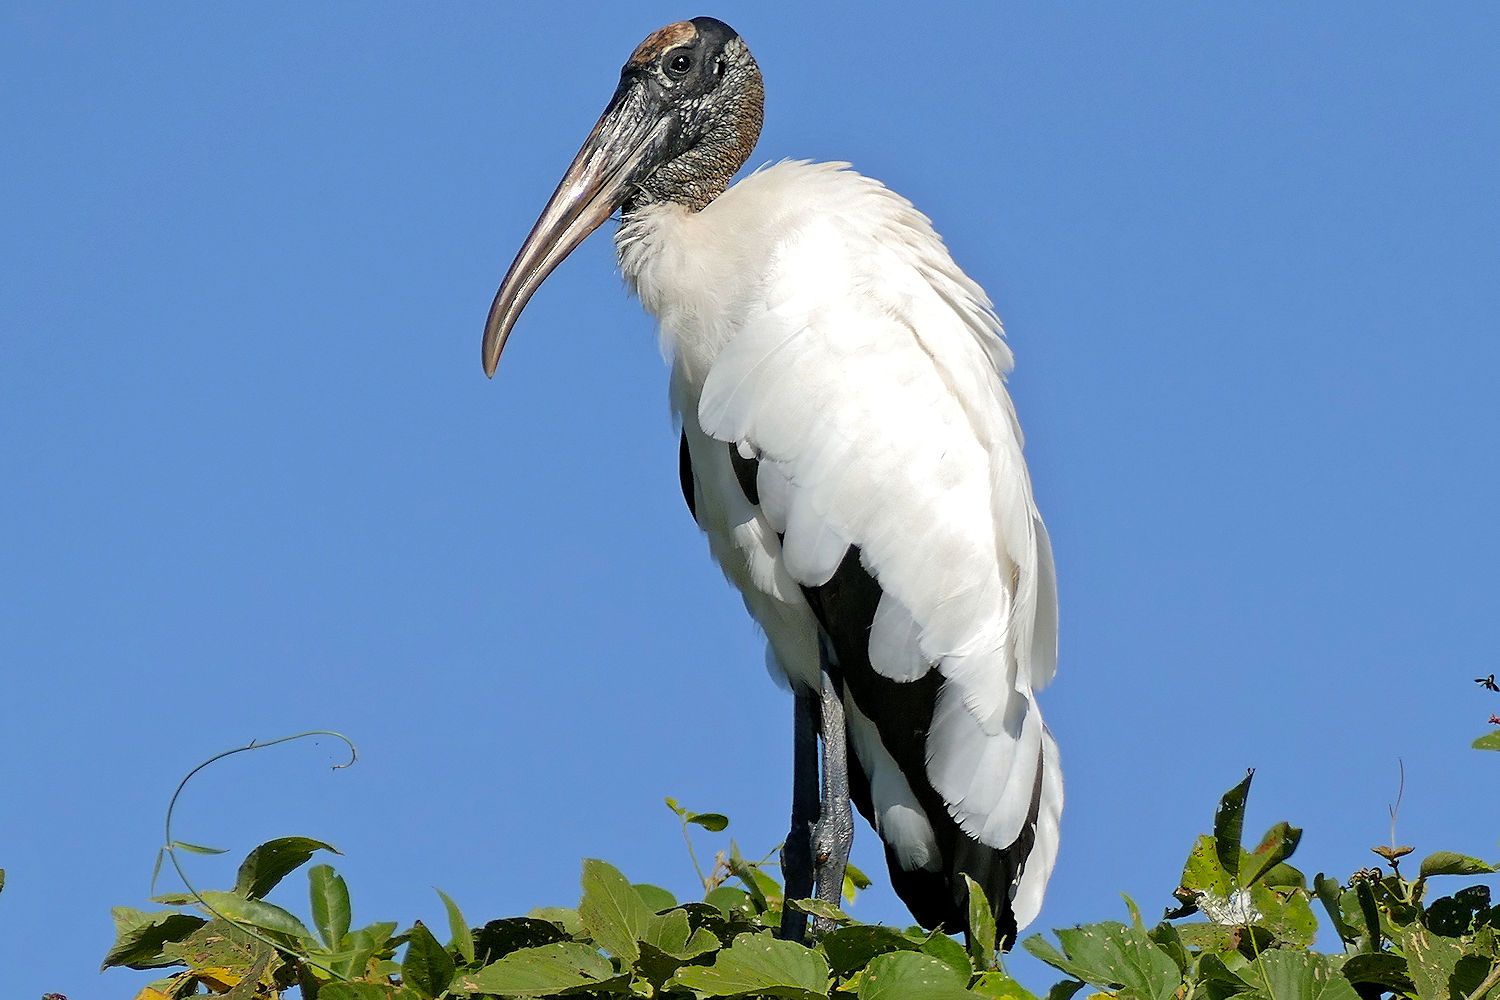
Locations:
column 678, row 65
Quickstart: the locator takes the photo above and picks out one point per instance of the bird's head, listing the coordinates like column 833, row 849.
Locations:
column 684, row 118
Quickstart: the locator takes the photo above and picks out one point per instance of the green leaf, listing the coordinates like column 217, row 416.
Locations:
column 758, row 965
column 259, row 914
column 461, row 936
column 539, row 972
column 672, row 934
column 364, row 991
column 982, row 930
column 1330, row 893
column 1211, row 938
column 1274, row 848
column 1383, row 969
column 713, row 822
column 182, row 845
column 175, row 899
column 820, row 908
column 1218, row 980
column 501, row 937
column 273, row 861
column 330, row 904
column 1369, row 913
column 747, row 874
column 220, row 945
column 1064, row 990
column 668, row 932
column 730, row 901
column 1489, row 741
column 563, row 916
column 855, row 882
column 1437, row 965
column 1203, row 874
column 1283, row 875
column 1229, row 827
column 428, row 967
column 999, row 986
column 655, row 897
column 139, row 937
column 612, row 911
column 1454, row 916
column 1282, row 974
column 670, row 941
column 850, row 949
column 1166, row 937
column 361, row 946
column 1286, row 914
column 1450, row 863
column 1113, row 956
column 946, row 949
column 672, row 805
column 249, row 987
column 908, row 976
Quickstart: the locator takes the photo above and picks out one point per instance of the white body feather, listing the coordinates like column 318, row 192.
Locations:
column 815, row 320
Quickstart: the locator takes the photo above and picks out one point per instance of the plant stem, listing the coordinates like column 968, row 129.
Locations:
column 687, row 839
column 1490, row 982
column 170, row 848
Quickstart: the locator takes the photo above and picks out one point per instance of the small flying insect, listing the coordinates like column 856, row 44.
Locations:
column 1488, row 683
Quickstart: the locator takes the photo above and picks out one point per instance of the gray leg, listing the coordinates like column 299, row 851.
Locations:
column 797, row 852
column 834, row 834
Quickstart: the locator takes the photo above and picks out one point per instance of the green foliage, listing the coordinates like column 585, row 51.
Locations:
column 1243, row 927
column 1256, row 941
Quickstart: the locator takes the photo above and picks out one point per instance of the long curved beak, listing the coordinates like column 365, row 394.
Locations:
column 625, row 144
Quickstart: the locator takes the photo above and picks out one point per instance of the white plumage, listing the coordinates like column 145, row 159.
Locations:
column 816, row 323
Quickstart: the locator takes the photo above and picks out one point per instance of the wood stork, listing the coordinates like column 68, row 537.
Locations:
column 850, row 450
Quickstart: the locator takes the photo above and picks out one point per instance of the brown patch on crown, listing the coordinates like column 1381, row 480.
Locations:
column 660, row 41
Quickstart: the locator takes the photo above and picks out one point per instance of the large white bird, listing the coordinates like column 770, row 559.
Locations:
column 850, row 450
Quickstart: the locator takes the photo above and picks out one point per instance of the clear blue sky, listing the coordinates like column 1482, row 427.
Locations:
column 255, row 482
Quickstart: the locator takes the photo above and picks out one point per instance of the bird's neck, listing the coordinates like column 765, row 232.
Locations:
column 692, row 180
column 703, row 172
column 680, row 264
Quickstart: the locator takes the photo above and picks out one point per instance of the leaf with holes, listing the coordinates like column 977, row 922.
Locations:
column 1274, row 848
column 819, row 908
column 999, row 986
column 499, row 938
column 1282, row 974
column 139, row 937
column 851, row 948
column 1229, row 828
column 1113, row 956
column 909, row 976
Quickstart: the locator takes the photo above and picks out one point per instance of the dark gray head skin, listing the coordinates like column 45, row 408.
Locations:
column 702, row 73
column 684, row 118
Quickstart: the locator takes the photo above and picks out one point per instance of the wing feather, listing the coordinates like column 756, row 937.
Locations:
column 871, row 388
